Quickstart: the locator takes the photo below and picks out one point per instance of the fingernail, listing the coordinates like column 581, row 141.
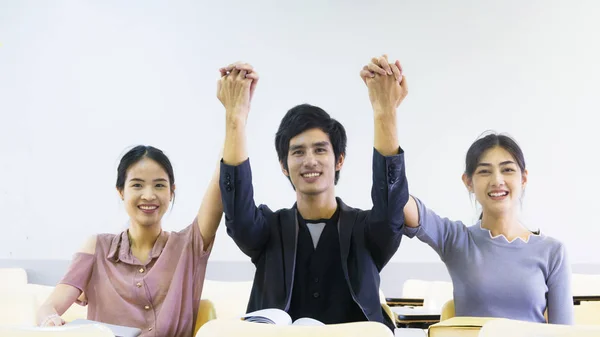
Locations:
column 389, row 72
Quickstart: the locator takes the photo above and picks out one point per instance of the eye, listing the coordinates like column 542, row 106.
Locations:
column 321, row 150
column 297, row 153
column 137, row 185
column 509, row 169
column 483, row 172
column 161, row 185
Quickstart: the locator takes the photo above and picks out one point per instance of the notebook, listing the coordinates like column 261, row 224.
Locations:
column 118, row 330
column 458, row 327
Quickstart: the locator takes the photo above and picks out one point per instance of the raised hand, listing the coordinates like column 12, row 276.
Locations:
column 235, row 89
column 387, row 86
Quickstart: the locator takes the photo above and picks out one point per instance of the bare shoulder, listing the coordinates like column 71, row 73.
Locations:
column 89, row 245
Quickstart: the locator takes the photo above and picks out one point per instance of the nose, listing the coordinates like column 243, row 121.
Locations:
column 310, row 160
column 148, row 194
column 497, row 179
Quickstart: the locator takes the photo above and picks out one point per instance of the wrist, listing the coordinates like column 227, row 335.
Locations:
column 48, row 318
column 235, row 120
column 383, row 110
column 384, row 114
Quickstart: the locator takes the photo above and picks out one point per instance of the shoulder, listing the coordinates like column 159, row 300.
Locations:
column 555, row 247
column 89, row 245
column 97, row 241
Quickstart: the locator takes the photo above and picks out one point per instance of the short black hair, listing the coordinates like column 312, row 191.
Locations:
column 305, row 117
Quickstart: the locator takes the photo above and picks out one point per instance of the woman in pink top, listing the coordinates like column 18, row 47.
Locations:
column 143, row 277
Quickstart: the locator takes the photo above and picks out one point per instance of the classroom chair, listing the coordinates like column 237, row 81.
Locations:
column 11, row 277
column 206, row 312
column 230, row 299
column 447, row 310
column 17, row 306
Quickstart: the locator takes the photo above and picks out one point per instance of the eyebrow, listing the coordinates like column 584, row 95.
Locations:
column 155, row 180
column 502, row 163
column 317, row 144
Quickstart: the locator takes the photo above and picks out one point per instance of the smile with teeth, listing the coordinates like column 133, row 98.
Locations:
column 498, row 194
column 148, row 207
column 311, row 175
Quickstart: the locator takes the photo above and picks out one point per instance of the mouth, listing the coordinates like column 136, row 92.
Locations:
column 148, row 209
column 498, row 195
column 311, row 176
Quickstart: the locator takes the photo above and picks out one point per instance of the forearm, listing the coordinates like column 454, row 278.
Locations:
column 211, row 210
column 62, row 297
column 234, row 151
column 386, row 131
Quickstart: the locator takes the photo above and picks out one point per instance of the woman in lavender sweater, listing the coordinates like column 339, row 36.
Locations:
column 498, row 267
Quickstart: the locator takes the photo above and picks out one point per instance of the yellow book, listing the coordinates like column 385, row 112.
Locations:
column 458, row 327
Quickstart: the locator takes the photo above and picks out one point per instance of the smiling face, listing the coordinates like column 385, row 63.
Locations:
column 147, row 192
column 497, row 182
column 311, row 163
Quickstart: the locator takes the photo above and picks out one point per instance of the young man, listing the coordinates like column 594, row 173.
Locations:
column 320, row 258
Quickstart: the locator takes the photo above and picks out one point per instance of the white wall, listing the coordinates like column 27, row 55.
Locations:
column 81, row 81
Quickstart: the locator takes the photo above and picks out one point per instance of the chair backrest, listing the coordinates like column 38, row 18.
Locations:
column 439, row 293
column 582, row 285
column 206, row 312
column 587, row 313
column 585, row 284
column 90, row 330
column 512, row 328
column 433, row 293
column 386, row 308
column 228, row 327
column 413, row 288
column 230, row 299
column 11, row 277
column 448, row 310
column 17, row 306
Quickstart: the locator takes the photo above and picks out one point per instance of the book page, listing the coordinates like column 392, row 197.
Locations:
column 268, row 316
column 307, row 321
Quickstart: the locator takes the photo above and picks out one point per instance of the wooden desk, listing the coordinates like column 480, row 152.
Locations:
column 585, row 298
column 401, row 302
column 418, row 317
column 418, row 302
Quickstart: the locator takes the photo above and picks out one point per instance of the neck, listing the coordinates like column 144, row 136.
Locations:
column 504, row 224
column 319, row 206
column 143, row 237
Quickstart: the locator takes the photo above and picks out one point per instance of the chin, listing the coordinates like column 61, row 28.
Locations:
column 148, row 222
column 312, row 191
column 500, row 209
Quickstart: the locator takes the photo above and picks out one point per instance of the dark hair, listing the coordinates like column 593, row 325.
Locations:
column 490, row 141
column 138, row 153
column 305, row 117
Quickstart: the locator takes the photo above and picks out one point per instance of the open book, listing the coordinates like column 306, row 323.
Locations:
column 278, row 317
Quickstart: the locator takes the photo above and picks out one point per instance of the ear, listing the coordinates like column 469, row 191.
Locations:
column 285, row 172
column 121, row 195
column 468, row 182
column 340, row 162
column 172, row 191
column 524, row 178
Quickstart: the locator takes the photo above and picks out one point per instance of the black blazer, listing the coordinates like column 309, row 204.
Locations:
column 368, row 239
